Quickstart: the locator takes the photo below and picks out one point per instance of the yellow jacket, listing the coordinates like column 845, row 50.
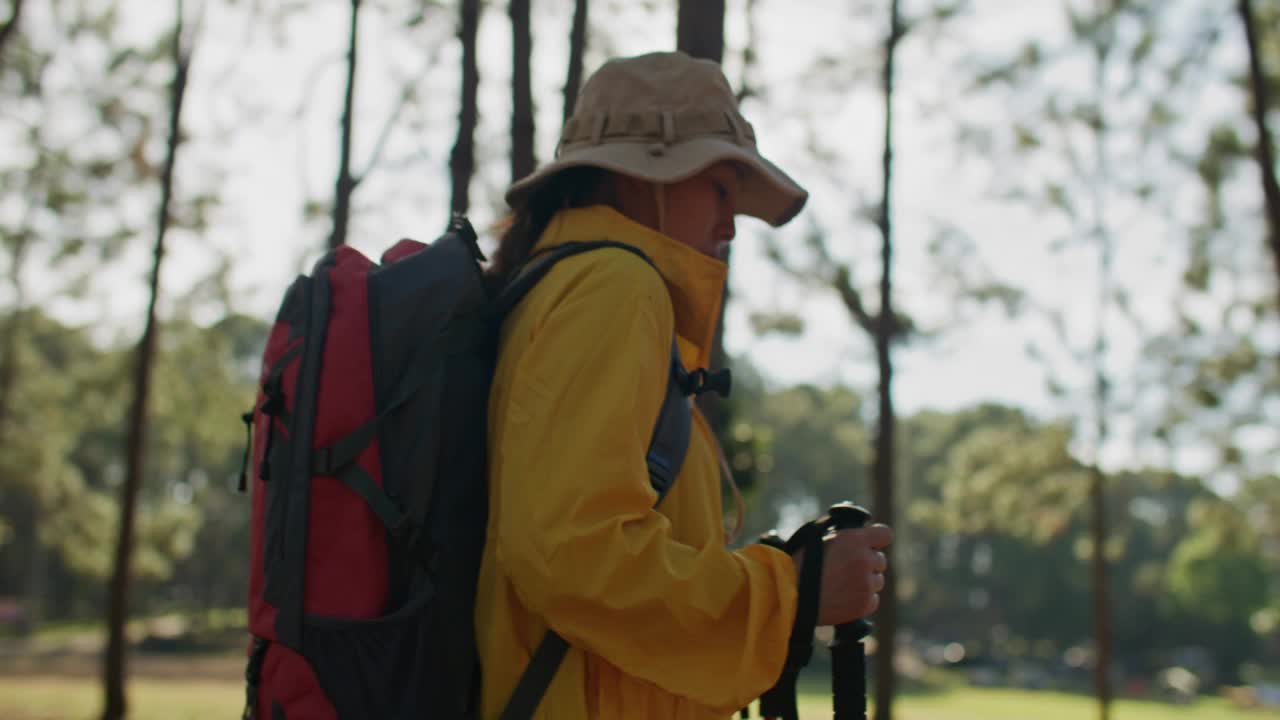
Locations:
column 662, row 619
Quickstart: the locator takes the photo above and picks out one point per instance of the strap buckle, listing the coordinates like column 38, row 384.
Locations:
column 702, row 381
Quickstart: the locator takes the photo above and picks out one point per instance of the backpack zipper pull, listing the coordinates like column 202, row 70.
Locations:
column 459, row 223
column 248, row 443
column 272, row 405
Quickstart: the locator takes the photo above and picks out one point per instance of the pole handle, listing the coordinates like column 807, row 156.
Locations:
column 848, row 655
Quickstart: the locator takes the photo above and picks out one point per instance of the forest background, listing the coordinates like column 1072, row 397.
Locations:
column 1029, row 317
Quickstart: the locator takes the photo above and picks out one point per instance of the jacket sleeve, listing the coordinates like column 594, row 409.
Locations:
column 576, row 527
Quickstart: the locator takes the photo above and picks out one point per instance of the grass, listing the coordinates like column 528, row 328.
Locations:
column 61, row 698
column 55, row 676
column 174, row 689
column 164, row 686
column 1005, row 704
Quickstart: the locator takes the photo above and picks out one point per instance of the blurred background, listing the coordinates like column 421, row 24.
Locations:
column 1029, row 317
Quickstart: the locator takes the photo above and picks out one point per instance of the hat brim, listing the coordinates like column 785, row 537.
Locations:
column 767, row 193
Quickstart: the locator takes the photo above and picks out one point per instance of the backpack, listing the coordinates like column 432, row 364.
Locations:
column 369, row 504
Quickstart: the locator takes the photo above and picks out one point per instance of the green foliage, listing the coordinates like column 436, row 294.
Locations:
column 1218, row 367
column 1020, row 481
column 39, row 481
column 986, row 549
column 61, row 461
column 1219, row 581
column 1223, row 149
column 88, row 133
column 819, row 453
column 1125, row 143
column 1218, row 360
column 777, row 323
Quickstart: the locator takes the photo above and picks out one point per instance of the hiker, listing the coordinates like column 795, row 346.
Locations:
column 660, row 617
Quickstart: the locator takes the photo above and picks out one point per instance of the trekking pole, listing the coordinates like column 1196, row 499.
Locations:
column 848, row 654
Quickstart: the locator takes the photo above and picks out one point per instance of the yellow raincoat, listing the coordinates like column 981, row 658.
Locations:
column 662, row 619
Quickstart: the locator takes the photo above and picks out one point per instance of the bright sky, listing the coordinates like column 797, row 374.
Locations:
column 263, row 116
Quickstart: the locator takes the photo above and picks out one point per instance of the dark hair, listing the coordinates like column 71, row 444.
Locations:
column 570, row 188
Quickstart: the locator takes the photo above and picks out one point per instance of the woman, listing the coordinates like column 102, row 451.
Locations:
column 662, row 620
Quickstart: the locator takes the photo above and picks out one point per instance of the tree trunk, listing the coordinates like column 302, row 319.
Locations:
column 750, row 54
column 577, row 49
column 1101, row 592
column 462, row 159
column 522, row 127
column 1097, row 485
column 9, row 28
column 1264, row 151
column 37, row 577
column 12, row 333
column 114, row 662
column 882, row 493
column 346, row 183
column 700, row 33
column 28, row 534
column 700, row 28
column 9, row 365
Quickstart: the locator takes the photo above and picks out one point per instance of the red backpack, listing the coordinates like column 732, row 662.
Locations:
column 369, row 483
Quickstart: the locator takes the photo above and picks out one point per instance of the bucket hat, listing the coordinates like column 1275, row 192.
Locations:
column 664, row 117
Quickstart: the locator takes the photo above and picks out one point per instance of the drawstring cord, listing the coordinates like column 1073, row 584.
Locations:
column 740, row 505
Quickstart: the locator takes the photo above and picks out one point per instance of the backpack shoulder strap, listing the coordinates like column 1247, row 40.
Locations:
column 540, row 264
column 670, row 441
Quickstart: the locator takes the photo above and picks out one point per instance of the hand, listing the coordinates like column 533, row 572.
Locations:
column 853, row 569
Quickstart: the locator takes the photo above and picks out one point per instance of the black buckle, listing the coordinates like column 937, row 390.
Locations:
column 247, row 418
column 773, row 540
column 273, row 390
column 702, row 381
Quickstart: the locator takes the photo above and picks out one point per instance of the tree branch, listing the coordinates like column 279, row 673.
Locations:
column 577, row 49
column 385, row 135
column 9, row 27
column 115, row 705
column 523, row 159
column 12, row 328
column 462, row 157
column 749, row 55
column 841, row 280
column 700, row 28
column 842, row 283
column 345, row 184
column 1263, row 151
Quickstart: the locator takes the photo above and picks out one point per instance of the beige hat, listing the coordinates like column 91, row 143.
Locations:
column 665, row 117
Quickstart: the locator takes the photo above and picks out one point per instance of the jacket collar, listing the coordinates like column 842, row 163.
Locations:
column 696, row 282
